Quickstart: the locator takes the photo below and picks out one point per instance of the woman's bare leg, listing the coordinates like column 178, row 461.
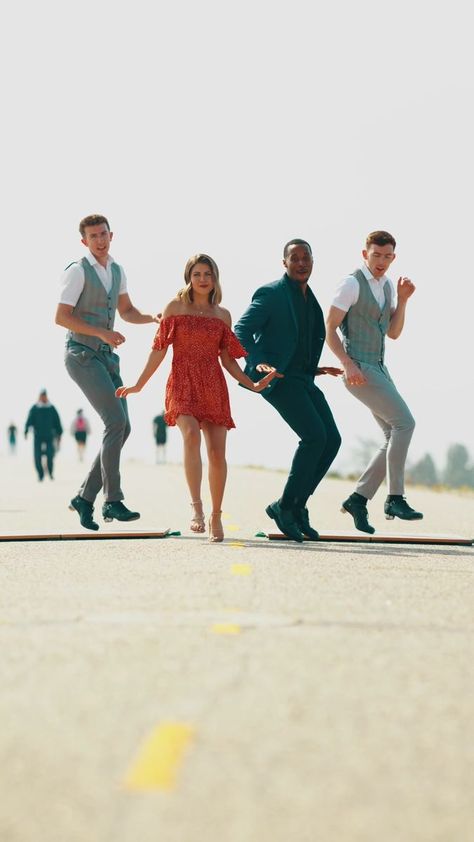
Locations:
column 191, row 434
column 215, row 443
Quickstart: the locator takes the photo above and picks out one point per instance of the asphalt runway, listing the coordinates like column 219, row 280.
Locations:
column 171, row 690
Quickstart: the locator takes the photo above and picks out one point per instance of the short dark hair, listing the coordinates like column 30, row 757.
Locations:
column 92, row 219
column 296, row 242
column 380, row 238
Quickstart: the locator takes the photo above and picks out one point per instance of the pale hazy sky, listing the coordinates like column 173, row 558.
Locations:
column 230, row 128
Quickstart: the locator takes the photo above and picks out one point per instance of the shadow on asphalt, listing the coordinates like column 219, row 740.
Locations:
column 364, row 549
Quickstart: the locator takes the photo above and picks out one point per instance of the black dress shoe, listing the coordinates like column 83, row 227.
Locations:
column 118, row 511
column 357, row 508
column 84, row 509
column 285, row 520
column 302, row 521
column 396, row 506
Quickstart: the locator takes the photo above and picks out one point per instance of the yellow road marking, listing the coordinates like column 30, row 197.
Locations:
column 159, row 759
column 236, row 544
column 241, row 569
column 232, row 527
column 225, row 628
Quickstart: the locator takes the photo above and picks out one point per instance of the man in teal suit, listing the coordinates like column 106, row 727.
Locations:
column 284, row 327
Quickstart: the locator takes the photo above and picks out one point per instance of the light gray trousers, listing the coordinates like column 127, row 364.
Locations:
column 97, row 373
column 392, row 414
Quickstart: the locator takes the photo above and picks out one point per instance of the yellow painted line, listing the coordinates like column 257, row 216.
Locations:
column 236, row 544
column 233, row 527
column 159, row 759
column 241, row 569
column 225, row 628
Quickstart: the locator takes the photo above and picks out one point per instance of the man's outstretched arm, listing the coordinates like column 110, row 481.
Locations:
column 129, row 313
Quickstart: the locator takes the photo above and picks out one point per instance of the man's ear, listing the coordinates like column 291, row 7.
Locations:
column 83, row 241
column 364, row 254
column 111, row 235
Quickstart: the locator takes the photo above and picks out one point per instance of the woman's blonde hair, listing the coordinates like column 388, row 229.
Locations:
column 186, row 294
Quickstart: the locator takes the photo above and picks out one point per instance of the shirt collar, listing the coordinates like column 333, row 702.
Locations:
column 94, row 262
column 369, row 277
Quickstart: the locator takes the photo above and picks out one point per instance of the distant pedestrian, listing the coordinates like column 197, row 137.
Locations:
column 44, row 419
column 160, row 433
column 80, row 429
column 12, row 433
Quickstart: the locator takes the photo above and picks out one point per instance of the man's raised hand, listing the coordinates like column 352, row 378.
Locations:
column 405, row 288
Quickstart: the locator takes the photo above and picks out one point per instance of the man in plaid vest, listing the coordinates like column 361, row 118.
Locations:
column 93, row 289
column 366, row 309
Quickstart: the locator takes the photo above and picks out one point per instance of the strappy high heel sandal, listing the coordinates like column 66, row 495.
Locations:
column 197, row 521
column 216, row 531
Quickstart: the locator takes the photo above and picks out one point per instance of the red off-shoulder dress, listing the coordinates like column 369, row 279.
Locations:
column 196, row 385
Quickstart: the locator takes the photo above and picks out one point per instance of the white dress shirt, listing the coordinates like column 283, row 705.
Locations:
column 72, row 281
column 347, row 293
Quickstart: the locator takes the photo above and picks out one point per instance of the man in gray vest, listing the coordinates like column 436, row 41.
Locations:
column 366, row 309
column 93, row 289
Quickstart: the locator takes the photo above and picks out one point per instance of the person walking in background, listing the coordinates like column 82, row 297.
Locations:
column 12, row 432
column 80, row 429
column 284, row 327
column 93, row 289
column 160, row 434
column 366, row 309
column 44, row 419
column 199, row 330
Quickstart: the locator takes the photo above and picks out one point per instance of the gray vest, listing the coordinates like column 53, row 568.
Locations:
column 365, row 324
column 95, row 305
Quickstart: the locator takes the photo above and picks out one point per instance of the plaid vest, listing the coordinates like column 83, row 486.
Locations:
column 95, row 305
column 365, row 324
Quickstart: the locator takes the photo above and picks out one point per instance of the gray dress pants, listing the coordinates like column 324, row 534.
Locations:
column 97, row 373
column 392, row 414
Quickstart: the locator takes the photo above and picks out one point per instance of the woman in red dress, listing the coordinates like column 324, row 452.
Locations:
column 199, row 330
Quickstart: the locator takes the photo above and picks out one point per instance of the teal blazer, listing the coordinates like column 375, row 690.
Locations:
column 268, row 330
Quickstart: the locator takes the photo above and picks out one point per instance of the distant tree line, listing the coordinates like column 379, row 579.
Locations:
column 457, row 472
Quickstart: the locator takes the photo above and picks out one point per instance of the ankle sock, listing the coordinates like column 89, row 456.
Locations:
column 359, row 498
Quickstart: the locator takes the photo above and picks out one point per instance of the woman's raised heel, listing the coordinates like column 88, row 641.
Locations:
column 216, row 531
